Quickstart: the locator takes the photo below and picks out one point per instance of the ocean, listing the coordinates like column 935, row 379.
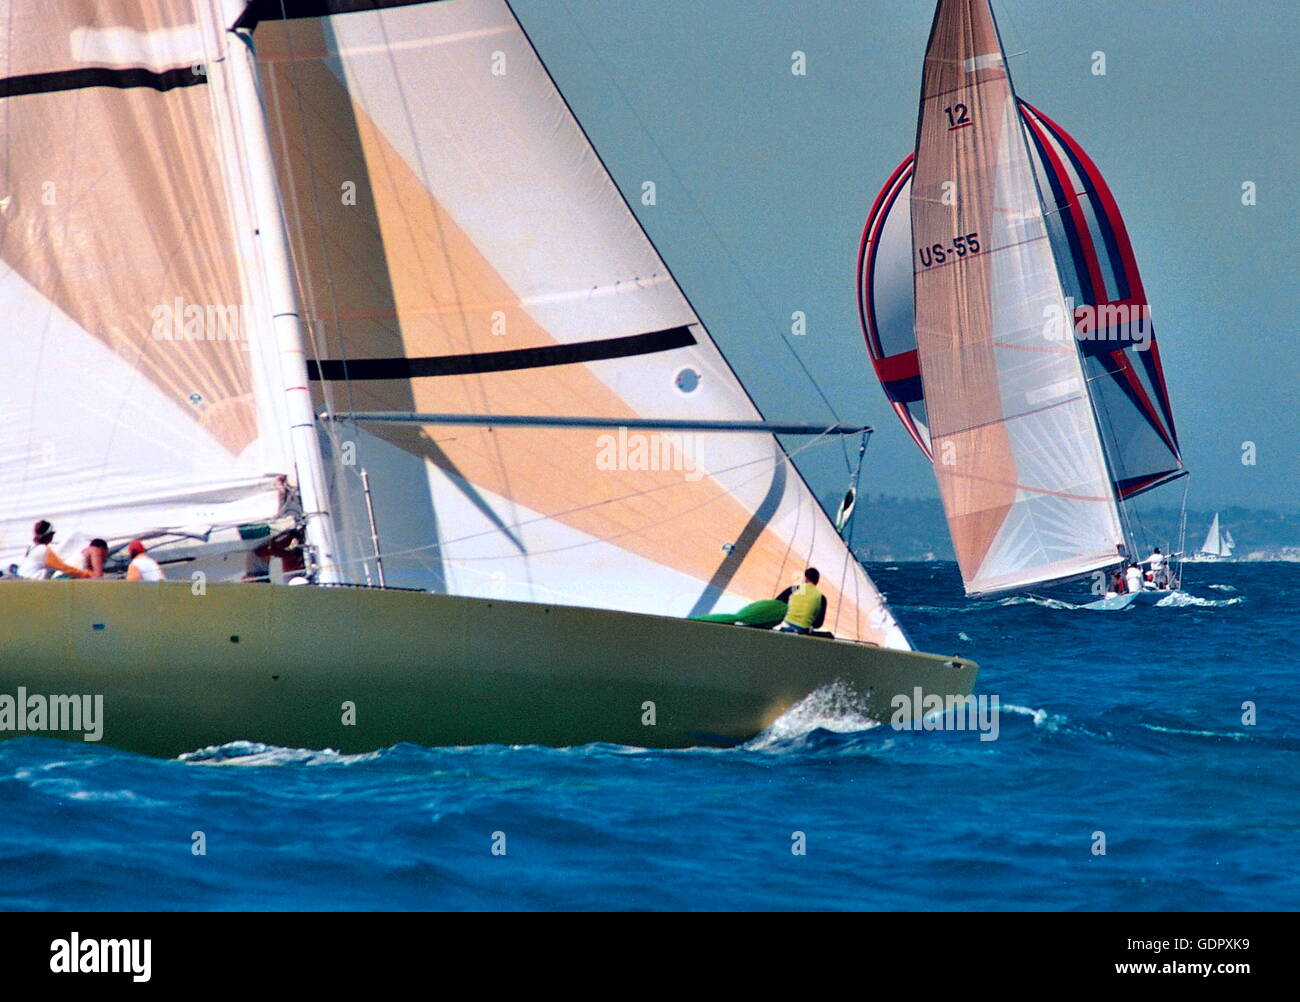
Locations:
column 1126, row 732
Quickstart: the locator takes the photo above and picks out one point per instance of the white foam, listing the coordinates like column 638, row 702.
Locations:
column 1181, row 599
column 1045, row 603
column 255, row 753
column 1041, row 718
column 836, row 707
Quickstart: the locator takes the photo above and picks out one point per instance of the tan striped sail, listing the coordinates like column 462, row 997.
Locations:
column 460, row 248
column 1018, row 458
column 133, row 388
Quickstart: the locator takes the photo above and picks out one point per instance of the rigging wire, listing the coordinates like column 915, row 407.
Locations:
column 848, row 527
column 702, row 216
column 1182, row 530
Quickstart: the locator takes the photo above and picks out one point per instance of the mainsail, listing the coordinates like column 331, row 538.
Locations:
column 1008, row 324
column 461, row 249
column 1218, row 543
column 139, row 395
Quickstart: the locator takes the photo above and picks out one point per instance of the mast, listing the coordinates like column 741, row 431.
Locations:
column 273, row 243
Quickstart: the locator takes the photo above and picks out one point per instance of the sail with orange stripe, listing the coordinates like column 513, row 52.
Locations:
column 137, row 395
column 460, row 248
column 1021, row 466
column 1014, row 508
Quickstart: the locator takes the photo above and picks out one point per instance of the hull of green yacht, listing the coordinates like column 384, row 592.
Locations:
column 359, row 669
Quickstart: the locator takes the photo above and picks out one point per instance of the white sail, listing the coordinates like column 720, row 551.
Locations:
column 1218, row 541
column 461, row 249
column 139, row 397
column 1017, row 453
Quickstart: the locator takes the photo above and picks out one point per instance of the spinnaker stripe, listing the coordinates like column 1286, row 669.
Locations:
column 1075, row 227
column 500, row 361
column 1134, row 486
column 1090, row 176
column 100, row 76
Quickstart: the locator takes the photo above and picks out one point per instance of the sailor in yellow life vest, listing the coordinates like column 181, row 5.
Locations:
column 806, row 605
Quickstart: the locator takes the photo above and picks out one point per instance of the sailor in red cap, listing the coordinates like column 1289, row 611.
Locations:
column 142, row 567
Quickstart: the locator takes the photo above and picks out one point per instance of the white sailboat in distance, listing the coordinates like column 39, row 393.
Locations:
column 338, row 291
column 1008, row 325
column 1218, row 543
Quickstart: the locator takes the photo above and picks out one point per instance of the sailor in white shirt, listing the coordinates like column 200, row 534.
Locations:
column 1133, row 578
column 1157, row 562
column 142, row 567
column 42, row 558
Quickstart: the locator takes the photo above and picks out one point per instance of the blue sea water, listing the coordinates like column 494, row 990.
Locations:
column 1129, row 724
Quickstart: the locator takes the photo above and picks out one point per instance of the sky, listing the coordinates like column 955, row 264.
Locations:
column 764, row 180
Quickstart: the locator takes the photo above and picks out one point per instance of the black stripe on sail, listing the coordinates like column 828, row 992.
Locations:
column 281, row 10
column 100, row 76
column 501, row 361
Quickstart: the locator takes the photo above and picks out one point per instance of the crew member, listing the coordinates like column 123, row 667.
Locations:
column 1159, row 569
column 806, row 605
column 41, row 560
column 142, row 567
column 93, row 558
column 1133, row 578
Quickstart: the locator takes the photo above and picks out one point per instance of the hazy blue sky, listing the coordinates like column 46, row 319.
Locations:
column 764, row 181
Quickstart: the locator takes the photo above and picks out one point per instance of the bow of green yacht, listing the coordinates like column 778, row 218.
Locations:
column 357, row 669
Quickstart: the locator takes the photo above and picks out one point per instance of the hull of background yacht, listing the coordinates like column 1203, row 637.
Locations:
column 283, row 665
column 1118, row 603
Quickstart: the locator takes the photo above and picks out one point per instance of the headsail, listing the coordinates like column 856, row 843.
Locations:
column 138, row 395
column 461, row 249
column 1125, row 377
column 1020, row 465
column 1021, row 340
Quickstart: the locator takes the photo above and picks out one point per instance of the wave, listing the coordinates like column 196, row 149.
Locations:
column 1174, row 600
column 837, row 708
column 1182, row 599
column 1221, row 587
column 1051, row 722
column 257, row 754
column 1038, row 600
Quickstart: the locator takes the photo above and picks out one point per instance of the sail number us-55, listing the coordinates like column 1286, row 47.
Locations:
column 968, row 243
